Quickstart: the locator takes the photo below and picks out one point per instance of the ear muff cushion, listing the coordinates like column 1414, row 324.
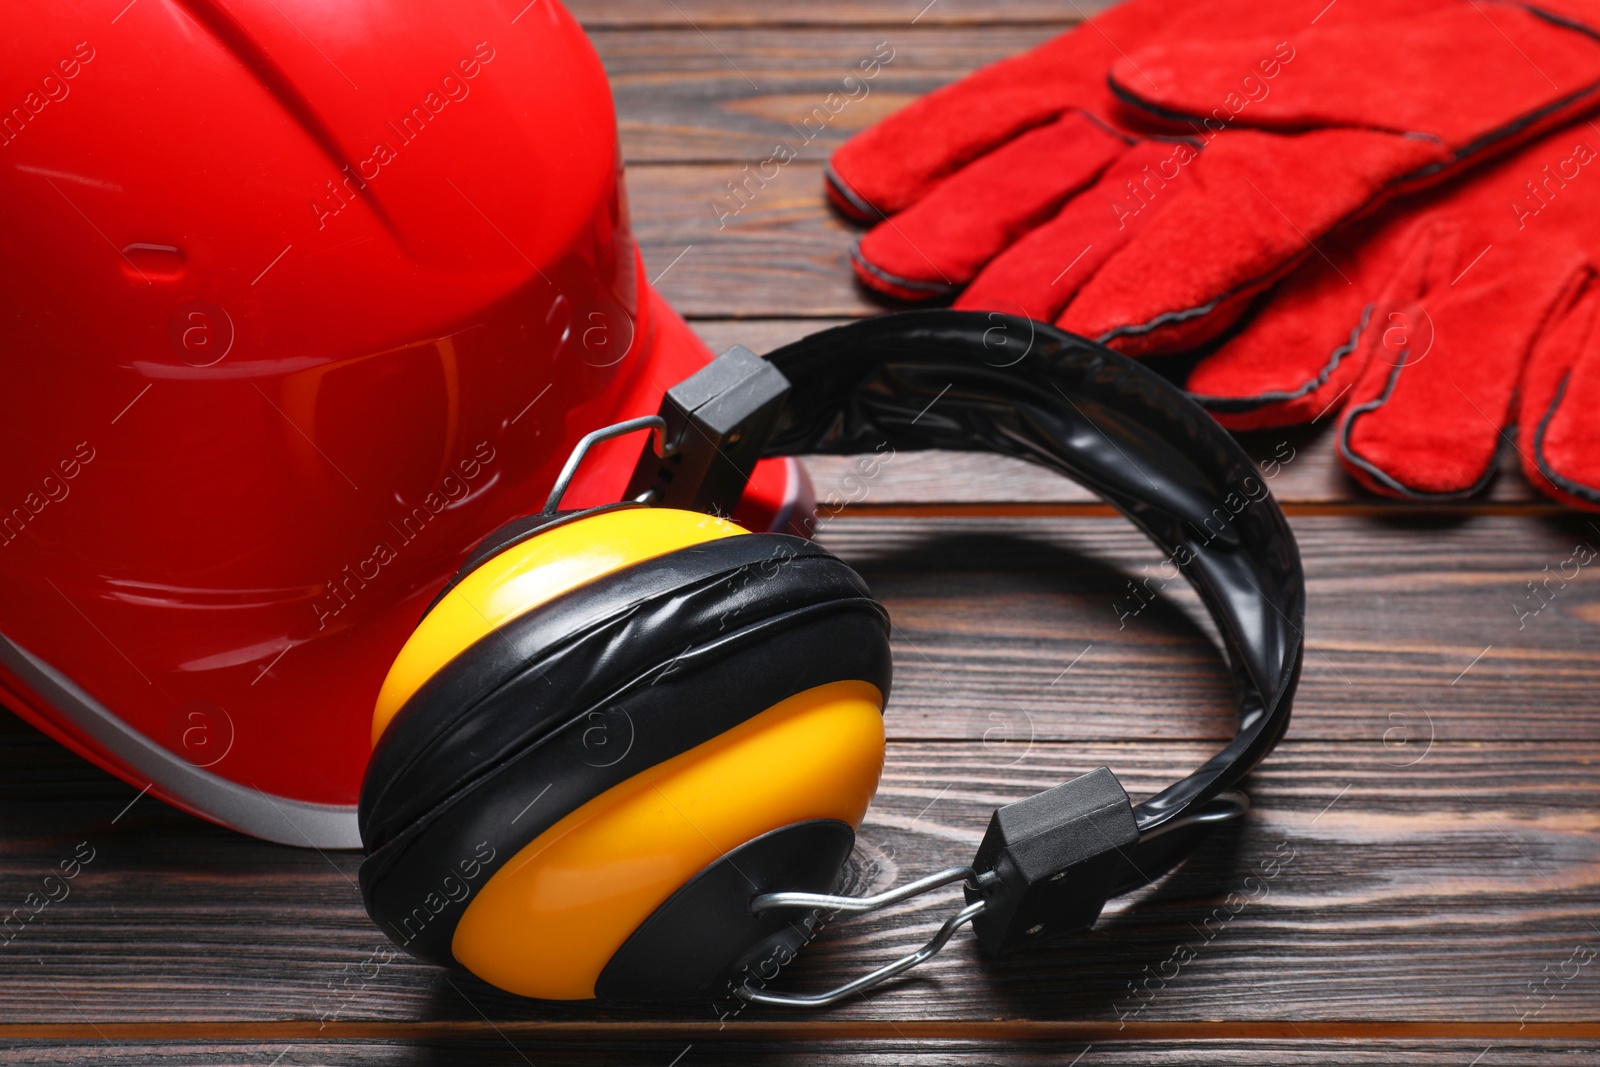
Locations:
column 492, row 751
column 535, row 672
column 531, row 573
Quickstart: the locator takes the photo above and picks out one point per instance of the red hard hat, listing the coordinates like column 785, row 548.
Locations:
column 302, row 300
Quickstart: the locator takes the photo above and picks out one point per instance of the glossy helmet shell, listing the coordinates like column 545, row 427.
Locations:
column 301, row 301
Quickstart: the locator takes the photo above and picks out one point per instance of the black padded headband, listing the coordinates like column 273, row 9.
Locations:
column 973, row 381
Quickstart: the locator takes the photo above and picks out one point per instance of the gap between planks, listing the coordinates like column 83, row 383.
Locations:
column 1096, row 509
column 813, row 1028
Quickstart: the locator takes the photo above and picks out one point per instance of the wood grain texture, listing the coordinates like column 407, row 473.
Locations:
column 784, row 255
column 687, row 93
column 1411, row 623
column 1311, row 482
column 709, row 14
column 1454, row 881
column 1306, row 475
column 774, row 248
column 779, row 270
column 726, row 242
column 1437, row 793
column 1456, row 863
column 516, row 1050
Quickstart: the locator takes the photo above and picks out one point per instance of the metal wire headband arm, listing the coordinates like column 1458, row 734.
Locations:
column 1226, row 807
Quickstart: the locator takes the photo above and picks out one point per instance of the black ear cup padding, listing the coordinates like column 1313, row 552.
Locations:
column 597, row 709
column 570, row 653
column 704, row 941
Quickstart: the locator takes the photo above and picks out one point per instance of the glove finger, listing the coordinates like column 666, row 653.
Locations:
column 1246, row 218
column 888, row 167
column 1043, row 269
column 1455, row 71
column 1295, row 360
column 1426, row 416
column 941, row 242
column 1560, row 393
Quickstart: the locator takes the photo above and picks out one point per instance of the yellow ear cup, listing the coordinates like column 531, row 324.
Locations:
column 548, row 921
column 530, row 573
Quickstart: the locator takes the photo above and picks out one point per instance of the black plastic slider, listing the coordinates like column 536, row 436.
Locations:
column 718, row 421
column 1057, row 857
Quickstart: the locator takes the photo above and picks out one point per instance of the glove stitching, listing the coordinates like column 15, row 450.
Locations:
column 1486, row 141
column 851, row 197
column 1234, row 404
column 1384, row 478
column 1560, row 481
column 931, row 288
column 1166, row 318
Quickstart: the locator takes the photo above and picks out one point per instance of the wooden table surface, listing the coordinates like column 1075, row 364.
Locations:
column 1433, row 809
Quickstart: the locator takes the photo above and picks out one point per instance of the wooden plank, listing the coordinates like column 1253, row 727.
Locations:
column 1410, row 621
column 710, row 14
column 1436, row 793
column 775, row 247
column 491, row 1050
column 784, row 255
column 1306, row 475
column 732, row 95
column 1313, row 483
column 1454, row 881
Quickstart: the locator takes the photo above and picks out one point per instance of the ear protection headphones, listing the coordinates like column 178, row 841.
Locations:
column 626, row 750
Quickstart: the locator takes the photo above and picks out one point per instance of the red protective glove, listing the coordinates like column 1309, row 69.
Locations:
column 1437, row 323
column 1046, row 188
